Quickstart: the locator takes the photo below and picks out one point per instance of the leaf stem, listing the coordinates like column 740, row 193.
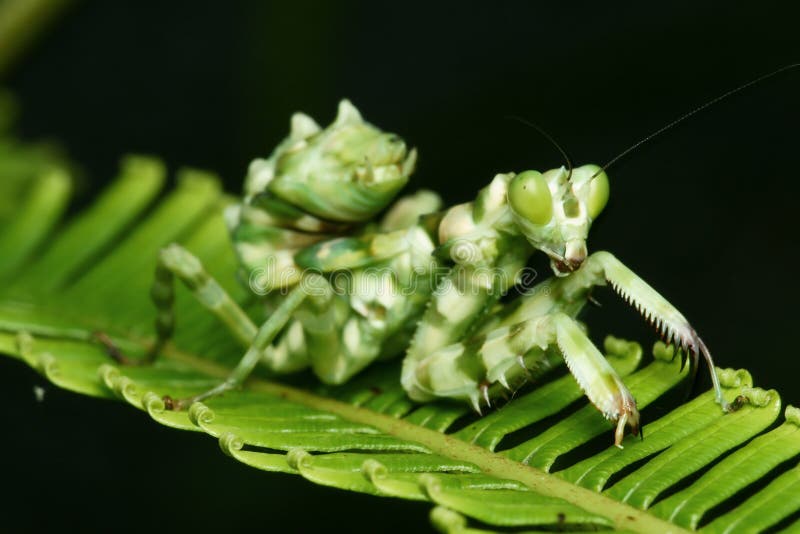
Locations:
column 625, row 517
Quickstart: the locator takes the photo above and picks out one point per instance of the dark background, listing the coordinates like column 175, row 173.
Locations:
column 707, row 213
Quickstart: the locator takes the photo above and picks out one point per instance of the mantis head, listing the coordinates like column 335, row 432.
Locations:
column 555, row 211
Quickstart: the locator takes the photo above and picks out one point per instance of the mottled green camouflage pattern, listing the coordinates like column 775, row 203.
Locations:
column 347, row 172
column 432, row 277
column 316, row 184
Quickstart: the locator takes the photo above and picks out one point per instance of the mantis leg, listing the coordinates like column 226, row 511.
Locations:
column 322, row 332
column 175, row 261
column 366, row 318
column 603, row 268
column 463, row 370
column 314, row 286
column 460, row 301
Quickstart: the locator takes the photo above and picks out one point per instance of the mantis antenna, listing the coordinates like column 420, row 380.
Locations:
column 696, row 110
column 549, row 138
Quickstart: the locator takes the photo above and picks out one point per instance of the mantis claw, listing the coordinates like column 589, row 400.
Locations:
column 484, row 387
column 170, row 404
column 737, row 403
column 619, row 433
column 476, row 404
column 666, row 319
column 627, row 420
column 504, row 382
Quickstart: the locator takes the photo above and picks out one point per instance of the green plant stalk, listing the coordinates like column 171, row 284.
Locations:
column 624, row 516
column 21, row 21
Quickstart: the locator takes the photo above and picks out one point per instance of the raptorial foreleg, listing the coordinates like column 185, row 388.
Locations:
column 602, row 267
column 462, row 370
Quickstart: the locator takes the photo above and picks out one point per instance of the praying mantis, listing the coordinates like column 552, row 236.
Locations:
column 344, row 288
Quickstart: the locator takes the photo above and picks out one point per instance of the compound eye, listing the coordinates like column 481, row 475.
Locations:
column 529, row 197
column 598, row 195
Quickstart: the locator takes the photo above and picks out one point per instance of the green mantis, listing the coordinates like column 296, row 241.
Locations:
column 343, row 288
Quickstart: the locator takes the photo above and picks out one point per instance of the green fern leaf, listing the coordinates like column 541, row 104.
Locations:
column 61, row 286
